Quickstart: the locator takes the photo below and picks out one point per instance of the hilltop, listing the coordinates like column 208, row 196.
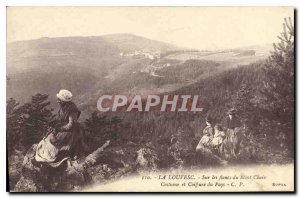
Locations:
column 116, row 63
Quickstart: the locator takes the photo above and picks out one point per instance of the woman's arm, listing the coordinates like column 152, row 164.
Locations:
column 72, row 120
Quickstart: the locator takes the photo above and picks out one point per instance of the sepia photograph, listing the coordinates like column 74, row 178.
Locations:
column 150, row 99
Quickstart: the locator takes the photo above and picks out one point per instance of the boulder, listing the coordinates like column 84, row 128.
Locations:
column 15, row 168
column 28, row 185
column 147, row 160
column 31, row 175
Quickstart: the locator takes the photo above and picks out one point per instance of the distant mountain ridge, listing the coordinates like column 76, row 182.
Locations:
column 116, row 63
column 130, row 42
column 77, row 47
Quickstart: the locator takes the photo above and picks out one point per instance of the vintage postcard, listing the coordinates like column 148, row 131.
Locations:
column 150, row 99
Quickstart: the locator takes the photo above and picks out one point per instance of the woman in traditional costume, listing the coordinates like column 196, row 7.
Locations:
column 59, row 145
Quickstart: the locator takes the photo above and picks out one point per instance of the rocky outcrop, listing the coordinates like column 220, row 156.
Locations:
column 31, row 175
column 28, row 185
column 15, row 168
column 105, row 164
column 40, row 178
column 98, row 167
column 147, row 160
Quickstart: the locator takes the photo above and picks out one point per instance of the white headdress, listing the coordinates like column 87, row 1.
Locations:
column 64, row 95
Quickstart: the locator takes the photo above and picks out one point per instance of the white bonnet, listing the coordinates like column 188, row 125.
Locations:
column 64, row 95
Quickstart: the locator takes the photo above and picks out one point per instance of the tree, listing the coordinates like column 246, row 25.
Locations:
column 278, row 87
column 37, row 116
column 13, row 124
column 242, row 102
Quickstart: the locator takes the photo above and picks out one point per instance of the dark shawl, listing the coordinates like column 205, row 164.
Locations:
column 66, row 140
column 66, row 110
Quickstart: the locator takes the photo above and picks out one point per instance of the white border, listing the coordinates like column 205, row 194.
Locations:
column 151, row 3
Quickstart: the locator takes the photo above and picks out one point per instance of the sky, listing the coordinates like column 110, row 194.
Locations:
column 191, row 27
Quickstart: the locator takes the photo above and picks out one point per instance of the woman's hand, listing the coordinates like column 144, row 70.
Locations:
column 65, row 127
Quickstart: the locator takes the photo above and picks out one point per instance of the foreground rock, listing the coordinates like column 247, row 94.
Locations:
column 15, row 168
column 31, row 176
column 36, row 178
column 98, row 167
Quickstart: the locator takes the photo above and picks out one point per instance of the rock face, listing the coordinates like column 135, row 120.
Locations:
column 147, row 159
column 41, row 178
column 15, row 168
column 31, row 176
column 102, row 166
column 98, row 167
column 182, row 147
column 28, row 185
